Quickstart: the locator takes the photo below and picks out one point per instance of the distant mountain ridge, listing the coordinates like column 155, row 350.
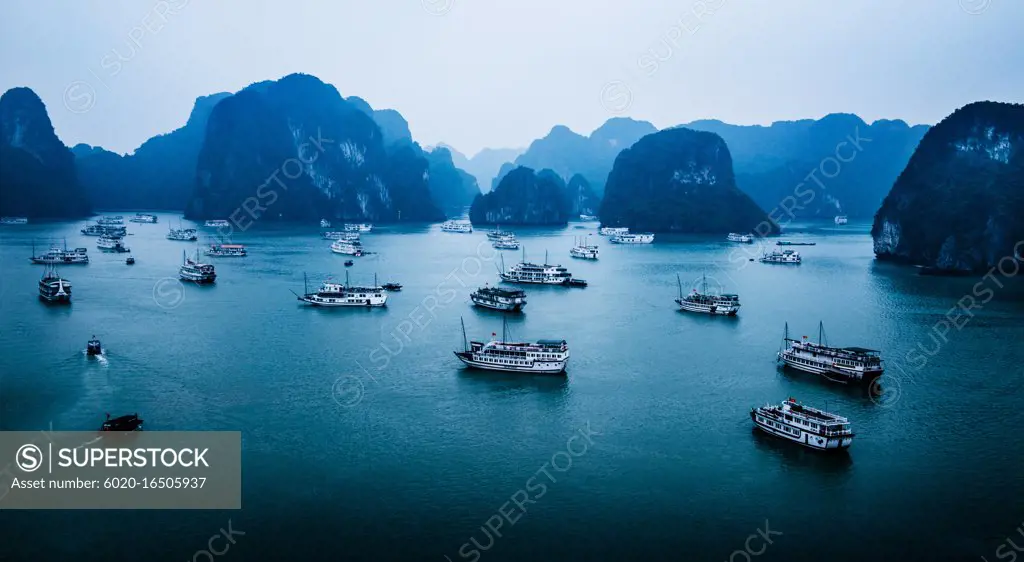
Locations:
column 484, row 165
column 842, row 164
column 37, row 171
column 568, row 153
column 959, row 204
column 159, row 174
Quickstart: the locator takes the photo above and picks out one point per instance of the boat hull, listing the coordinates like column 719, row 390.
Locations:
column 56, row 299
column 804, row 438
column 503, row 306
column 537, row 368
column 550, row 281
column 198, row 280
column 828, row 371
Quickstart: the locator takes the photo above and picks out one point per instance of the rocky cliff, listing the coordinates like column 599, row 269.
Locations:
column 294, row 149
column 524, row 197
column 451, row 188
column 959, row 204
column 679, row 180
column 582, row 199
column 37, row 172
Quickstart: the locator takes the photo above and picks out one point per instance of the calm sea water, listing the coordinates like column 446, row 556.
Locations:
column 364, row 439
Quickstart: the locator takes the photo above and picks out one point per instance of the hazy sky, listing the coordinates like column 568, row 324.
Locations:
column 499, row 73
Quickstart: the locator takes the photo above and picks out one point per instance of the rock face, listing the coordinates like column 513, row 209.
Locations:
column 582, row 200
column 959, row 204
column 294, row 149
column 160, row 174
column 679, row 180
column 569, row 153
column 37, row 172
column 451, row 188
column 839, row 164
column 524, row 197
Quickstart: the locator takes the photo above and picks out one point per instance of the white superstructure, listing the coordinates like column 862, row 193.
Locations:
column 807, row 426
column 612, row 231
column 456, row 226
column 333, row 294
column 638, row 238
column 581, row 249
column 785, row 256
column 736, row 237
column 347, row 247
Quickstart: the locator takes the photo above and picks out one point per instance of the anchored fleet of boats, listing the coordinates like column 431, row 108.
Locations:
column 789, row 420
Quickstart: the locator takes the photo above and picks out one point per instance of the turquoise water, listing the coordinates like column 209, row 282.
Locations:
column 365, row 439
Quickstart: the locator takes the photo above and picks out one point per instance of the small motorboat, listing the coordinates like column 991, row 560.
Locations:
column 576, row 283
column 94, row 347
column 130, row 260
column 348, row 263
column 392, row 286
column 129, row 422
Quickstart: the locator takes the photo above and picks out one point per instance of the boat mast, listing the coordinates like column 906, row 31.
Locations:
column 465, row 344
column 679, row 284
column 821, row 328
column 305, row 284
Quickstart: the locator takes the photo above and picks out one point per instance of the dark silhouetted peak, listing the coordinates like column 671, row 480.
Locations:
column 959, row 204
column 679, row 180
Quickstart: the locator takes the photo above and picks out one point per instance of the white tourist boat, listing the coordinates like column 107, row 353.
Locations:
column 837, row 364
column 183, row 234
column 332, row 294
column 57, row 255
column 361, row 227
column 506, row 243
column 216, row 223
column 347, row 247
column 110, row 221
column 704, row 302
column 841, row 219
column 613, row 230
column 498, row 234
column 324, row 223
column 807, row 426
column 226, row 251
column 546, row 274
column 583, row 250
column 338, row 235
column 637, row 238
column 111, row 244
column 53, row 287
column 543, row 357
column 588, row 218
column 195, row 271
column 496, row 298
column 784, row 256
column 143, row 218
column 104, row 230
column 456, row 226
column 13, row 220
column 736, row 237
